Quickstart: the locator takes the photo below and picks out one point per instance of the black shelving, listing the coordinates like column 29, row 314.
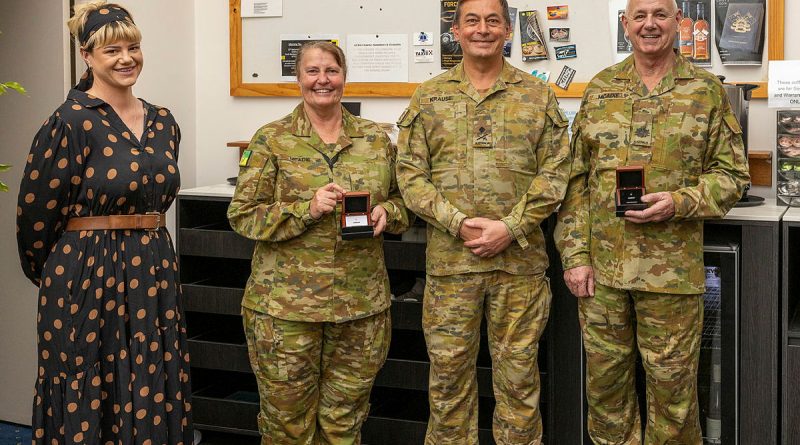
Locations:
column 215, row 265
column 791, row 337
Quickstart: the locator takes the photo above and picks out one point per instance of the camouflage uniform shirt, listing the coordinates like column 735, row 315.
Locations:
column 301, row 268
column 503, row 155
column 687, row 138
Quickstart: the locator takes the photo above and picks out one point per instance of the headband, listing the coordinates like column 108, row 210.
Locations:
column 101, row 17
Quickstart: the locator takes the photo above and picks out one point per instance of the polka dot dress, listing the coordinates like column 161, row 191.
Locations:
column 113, row 362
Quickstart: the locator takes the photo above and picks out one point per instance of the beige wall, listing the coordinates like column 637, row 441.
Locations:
column 32, row 51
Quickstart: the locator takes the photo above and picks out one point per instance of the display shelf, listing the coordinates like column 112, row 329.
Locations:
column 207, row 296
column 407, row 315
column 215, row 265
column 788, row 157
column 403, row 255
column 211, row 242
column 225, row 401
column 790, row 290
column 791, row 431
column 791, row 279
column 220, row 349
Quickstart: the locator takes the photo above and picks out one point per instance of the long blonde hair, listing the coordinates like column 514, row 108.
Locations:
column 108, row 33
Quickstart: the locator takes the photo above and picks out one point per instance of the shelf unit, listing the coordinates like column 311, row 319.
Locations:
column 788, row 151
column 790, row 290
column 215, row 265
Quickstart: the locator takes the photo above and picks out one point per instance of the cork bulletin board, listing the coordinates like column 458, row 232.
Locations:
column 255, row 42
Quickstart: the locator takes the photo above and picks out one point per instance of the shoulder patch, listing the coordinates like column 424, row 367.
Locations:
column 245, row 158
column 732, row 123
column 557, row 116
column 407, row 118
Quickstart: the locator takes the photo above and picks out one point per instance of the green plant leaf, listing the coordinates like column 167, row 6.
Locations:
column 13, row 86
column 4, row 167
column 3, row 187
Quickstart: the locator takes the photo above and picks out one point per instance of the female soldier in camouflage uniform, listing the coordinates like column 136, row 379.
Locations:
column 316, row 307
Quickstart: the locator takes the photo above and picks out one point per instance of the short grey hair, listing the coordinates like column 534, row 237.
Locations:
column 628, row 6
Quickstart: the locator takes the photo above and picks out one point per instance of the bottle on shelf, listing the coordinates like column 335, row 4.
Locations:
column 685, row 30
column 701, row 35
column 714, row 413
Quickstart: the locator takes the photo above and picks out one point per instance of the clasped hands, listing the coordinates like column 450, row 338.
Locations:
column 485, row 237
column 326, row 197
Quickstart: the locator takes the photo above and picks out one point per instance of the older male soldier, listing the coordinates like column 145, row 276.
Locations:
column 640, row 277
column 483, row 157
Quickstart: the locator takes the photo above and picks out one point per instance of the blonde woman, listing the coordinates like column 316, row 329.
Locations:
column 113, row 362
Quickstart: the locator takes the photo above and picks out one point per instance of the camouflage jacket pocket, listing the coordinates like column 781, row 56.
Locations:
column 522, row 127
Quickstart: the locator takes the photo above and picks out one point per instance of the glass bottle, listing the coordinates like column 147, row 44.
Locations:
column 685, row 32
column 701, row 34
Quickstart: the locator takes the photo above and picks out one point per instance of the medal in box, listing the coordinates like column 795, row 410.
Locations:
column 630, row 189
column 356, row 218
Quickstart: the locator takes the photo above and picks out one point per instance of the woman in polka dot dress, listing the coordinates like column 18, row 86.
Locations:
column 113, row 362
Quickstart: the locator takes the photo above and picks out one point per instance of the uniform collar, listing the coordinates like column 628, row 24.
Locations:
column 681, row 70
column 508, row 75
column 301, row 127
column 301, row 124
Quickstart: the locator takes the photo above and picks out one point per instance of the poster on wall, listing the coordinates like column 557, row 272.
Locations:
column 740, row 31
column 377, row 57
column 451, row 50
column 695, row 34
column 620, row 44
column 534, row 46
column 290, row 45
column 512, row 12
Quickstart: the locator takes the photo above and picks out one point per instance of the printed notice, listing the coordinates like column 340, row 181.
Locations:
column 784, row 84
column 423, row 55
column 377, row 57
column 262, row 8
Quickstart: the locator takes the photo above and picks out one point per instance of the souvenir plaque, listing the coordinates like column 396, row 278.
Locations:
column 630, row 189
column 356, row 219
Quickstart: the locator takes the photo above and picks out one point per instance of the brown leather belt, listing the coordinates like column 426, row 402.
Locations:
column 147, row 221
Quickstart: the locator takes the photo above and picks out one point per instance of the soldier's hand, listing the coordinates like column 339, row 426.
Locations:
column 467, row 233
column 378, row 220
column 580, row 281
column 494, row 238
column 663, row 208
column 324, row 200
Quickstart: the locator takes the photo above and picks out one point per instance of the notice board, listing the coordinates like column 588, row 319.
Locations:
column 255, row 65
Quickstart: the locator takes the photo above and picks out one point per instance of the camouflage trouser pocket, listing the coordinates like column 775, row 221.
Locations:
column 264, row 346
column 378, row 337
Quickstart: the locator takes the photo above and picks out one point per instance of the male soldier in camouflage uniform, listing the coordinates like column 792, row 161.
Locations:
column 315, row 307
column 640, row 277
column 483, row 157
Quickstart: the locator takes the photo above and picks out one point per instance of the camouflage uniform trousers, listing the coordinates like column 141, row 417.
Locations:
column 516, row 308
column 667, row 328
column 314, row 379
